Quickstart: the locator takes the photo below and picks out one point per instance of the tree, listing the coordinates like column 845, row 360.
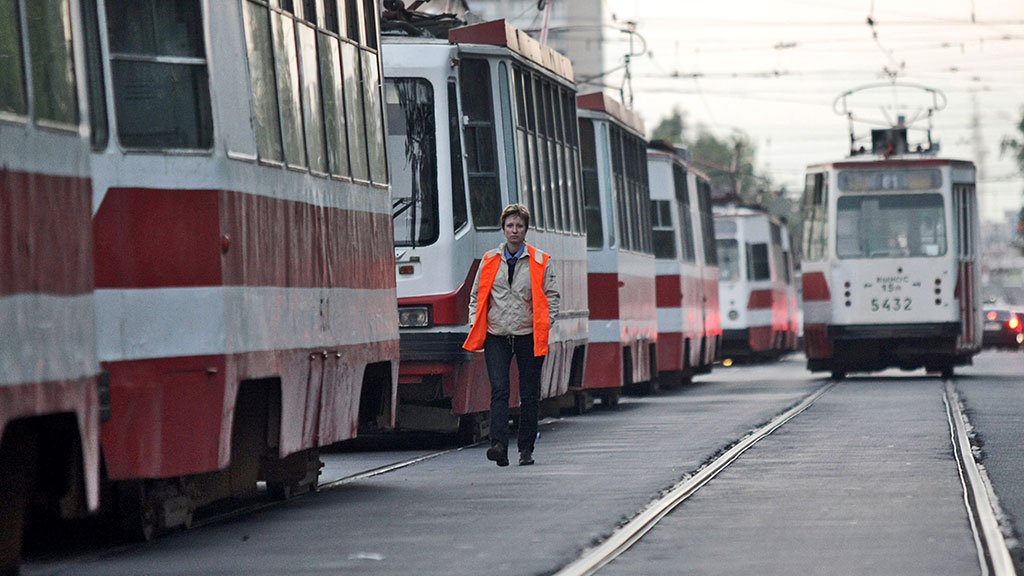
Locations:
column 1015, row 144
column 671, row 129
column 729, row 164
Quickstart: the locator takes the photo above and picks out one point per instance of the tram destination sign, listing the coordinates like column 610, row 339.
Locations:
column 885, row 180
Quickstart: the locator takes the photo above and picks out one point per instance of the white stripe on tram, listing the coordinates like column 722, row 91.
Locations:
column 46, row 338
column 171, row 322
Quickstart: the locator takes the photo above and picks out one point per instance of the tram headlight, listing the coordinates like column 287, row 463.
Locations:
column 733, row 314
column 413, row 316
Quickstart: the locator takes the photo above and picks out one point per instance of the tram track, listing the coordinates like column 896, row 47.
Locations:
column 979, row 498
column 596, row 557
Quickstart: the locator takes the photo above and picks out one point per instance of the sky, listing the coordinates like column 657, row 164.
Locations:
column 773, row 70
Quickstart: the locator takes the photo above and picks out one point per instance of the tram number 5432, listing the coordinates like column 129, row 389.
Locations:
column 890, row 304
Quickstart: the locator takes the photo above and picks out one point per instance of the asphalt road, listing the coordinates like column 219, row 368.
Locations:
column 864, row 481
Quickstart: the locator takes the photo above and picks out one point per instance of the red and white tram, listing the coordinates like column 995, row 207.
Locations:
column 620, row 269
column 49, row 396
column 476, row 121
column 689, row 322
column 890, row 260
column 245, row 293
column 756, row 290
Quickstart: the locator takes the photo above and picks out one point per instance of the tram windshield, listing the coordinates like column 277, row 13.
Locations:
column 728, row 259
column 412, row 147
column 890, row 226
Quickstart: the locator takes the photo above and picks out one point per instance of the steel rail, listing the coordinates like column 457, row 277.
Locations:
column 979, row 498
column 596, row 557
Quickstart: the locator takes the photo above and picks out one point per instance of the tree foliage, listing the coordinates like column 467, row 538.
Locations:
column 1015, row 145
column 671, row 129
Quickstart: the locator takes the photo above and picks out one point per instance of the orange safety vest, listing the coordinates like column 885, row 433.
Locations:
column 541, row 320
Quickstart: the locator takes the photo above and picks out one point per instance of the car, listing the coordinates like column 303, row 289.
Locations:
column 1004, row 328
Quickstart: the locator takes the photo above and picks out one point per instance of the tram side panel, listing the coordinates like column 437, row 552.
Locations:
column 687, row 338
column 246, row 302
column 49, row 375
column 515, row 143
column 756, row 284
column 622, row 283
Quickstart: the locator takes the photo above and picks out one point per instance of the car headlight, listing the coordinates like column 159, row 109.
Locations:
column 413, row 316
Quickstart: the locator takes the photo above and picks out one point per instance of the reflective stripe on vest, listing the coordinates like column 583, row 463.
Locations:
column 541, row 320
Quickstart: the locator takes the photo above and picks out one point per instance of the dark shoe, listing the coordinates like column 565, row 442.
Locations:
column 499, row 454
column 525, row 457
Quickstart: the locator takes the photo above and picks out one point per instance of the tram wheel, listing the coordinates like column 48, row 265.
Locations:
column 136, row 514
column 610, row 399
column 838, row 374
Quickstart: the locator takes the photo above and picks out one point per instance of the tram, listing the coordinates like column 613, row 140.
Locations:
column 620, row 256
column 891, row 260
column 686, row 263
column 482, row 117
column 49, row 374
column 245, row 293
column 756, row 290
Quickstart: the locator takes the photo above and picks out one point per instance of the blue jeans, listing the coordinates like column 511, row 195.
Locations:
column 498, row 352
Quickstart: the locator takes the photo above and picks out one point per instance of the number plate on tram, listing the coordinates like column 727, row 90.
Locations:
column 894, row 304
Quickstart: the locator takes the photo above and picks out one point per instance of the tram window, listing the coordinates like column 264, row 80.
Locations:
column 352, row 18
column 335, row 120
column 592, row 193
column 50, row 54
column 331, row 16
column 707, row 222
column 13, row 98
column 561, row 150
column 286, row 5
column 728, row 260
column 815, row 226
column 354, row 106
column 757, row 262
column 544, row 120
column 886, row 226
column 412, row 143
column 312, row 107
column 369, row 24
column 618, row 189
column 481, row 164
column 686, row 235
column 525, row 141
column 554, row 156
column 639, row 160
column 286, row 60
column 309, row 11
column 537, row 201
column 159, row 63
column 507, row 131
column 374, row 118
column 262, row 83
column 99, row 132
column 664, row 233
column 572, row 136
column 778, row 259
column 459, row 211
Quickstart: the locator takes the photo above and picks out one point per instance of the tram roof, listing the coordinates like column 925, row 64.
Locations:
column 603, row 103
column 675, row 154
column 892, row 162
column 501, row 33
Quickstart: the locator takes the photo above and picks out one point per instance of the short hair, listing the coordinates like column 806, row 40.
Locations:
column 516, row 210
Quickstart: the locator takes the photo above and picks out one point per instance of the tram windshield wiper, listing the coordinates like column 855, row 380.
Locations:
column 399, row 206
